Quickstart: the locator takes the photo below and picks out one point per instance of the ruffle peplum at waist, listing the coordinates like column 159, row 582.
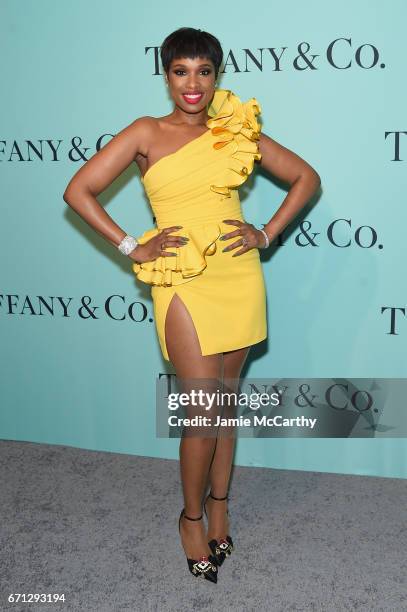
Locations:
column 190, row 258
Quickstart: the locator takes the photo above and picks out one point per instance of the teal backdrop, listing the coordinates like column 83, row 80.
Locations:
column 330, row 79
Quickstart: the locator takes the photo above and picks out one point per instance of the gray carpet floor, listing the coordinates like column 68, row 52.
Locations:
column 102, row 528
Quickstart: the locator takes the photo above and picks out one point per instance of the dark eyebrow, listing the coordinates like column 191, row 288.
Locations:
column 185, row 66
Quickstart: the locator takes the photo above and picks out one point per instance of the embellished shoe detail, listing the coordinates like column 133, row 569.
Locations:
column 205, row 566
column 189, row 262
column 234, row 123
column 223, row 547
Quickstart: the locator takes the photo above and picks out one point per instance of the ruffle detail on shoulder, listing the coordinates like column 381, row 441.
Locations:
column 189, row 262
column 235, row 122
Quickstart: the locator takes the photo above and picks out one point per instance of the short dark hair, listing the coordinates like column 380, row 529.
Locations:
column 191, row 43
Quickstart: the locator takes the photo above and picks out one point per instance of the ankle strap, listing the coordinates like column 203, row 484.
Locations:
column 191, row 519
column 217, row 498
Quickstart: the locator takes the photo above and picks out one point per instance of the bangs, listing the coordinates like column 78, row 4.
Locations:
column 191, row 43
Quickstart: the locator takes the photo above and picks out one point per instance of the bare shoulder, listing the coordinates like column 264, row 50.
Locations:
column 149, row 128
column 137, row 135
column 147, row 131
column 130, row 144
column 140, row 132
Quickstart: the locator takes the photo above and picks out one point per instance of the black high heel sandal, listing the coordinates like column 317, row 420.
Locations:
column 205, row 566
column 220, row 548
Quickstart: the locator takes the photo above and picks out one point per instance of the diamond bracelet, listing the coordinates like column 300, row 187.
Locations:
column 267, row 239
column 127, row 245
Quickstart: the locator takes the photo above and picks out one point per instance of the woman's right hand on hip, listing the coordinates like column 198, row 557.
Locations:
column 155, row 247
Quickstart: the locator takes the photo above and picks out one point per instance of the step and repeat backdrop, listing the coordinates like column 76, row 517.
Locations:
column 80, row 358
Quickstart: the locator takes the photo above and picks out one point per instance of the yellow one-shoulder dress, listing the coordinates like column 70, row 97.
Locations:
column 197, row 187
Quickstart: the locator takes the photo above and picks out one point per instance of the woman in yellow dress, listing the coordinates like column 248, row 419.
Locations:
column 209, row 301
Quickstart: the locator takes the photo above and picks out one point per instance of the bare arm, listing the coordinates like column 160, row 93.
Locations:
column 100, row 171
column 290, row 168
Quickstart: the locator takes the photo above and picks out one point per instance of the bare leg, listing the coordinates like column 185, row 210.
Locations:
column 196, row 453
column 220, row 470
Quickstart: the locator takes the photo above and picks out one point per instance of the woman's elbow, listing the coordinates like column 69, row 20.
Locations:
column 72, row 192
column 67, row 196
column 314, row 177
